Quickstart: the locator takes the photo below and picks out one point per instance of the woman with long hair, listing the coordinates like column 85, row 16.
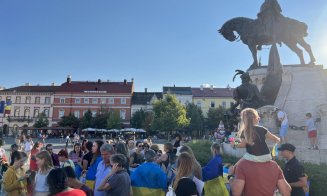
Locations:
column 57, row 180
column 87, row 158
column 76, row 156
column 253, row 137
column 84, row 145
column 44, row 163
column 183, row 183
column 96, row 158
column 121, row 148
column 14, row 179
column 36, row 149
column 197, row 170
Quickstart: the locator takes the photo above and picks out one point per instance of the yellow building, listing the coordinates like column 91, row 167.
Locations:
column 207, row 98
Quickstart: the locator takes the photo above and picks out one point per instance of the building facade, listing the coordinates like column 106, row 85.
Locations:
column 144, row 100
column 77, row 97
column 23, row 106
column 183, row 94
column 206, row 98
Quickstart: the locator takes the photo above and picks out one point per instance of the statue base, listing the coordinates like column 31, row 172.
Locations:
column 303, row 90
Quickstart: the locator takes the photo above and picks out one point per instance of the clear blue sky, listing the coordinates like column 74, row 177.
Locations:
column 155, row 42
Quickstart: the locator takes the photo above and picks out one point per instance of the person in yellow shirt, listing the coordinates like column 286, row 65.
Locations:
column 14, row 180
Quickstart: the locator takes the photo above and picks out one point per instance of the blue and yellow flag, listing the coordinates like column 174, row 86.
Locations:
column 149, row 179
column 2, row 107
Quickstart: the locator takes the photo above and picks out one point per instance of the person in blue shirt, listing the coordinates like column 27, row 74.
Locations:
column 215, row 166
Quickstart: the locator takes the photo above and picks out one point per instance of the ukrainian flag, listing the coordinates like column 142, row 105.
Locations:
column 149, row 179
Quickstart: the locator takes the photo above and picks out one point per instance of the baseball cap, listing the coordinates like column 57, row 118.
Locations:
column 287, row 146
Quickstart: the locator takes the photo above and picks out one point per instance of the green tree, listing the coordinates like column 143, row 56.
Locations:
column 214, row 116
column 87, row 120
column 41, row 121
column 114, row 121
column 138, row 119
column 169, row 115
column 194, row 114
column 69, row 121
column 100, row 120
column 142, row 119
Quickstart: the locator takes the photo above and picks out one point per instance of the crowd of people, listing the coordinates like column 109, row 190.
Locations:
column 129, row 167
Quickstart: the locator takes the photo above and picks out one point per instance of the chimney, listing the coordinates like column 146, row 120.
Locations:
column 53, row 84
column 132, row 80
column 229, row 88
column 99, row 81
column 125, row 81
column 211, row 87
column 201, row 87
column 146, row 90
column 27, row 84
column 69, row 79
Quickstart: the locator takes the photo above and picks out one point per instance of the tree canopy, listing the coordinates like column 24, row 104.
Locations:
column 169, row 114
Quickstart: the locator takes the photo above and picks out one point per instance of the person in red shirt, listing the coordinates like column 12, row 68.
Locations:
column 36, row 149
column 56, row 180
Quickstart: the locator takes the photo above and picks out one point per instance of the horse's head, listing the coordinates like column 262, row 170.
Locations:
column 235, row 24
column 227, row 33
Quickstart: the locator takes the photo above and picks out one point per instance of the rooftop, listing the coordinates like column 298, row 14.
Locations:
column 212, row 92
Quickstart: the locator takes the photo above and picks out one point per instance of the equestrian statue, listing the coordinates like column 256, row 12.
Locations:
column 269, row 28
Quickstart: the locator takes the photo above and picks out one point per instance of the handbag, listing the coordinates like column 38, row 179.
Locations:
column 171, row 191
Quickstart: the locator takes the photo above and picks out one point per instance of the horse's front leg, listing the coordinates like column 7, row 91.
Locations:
column 253, row 49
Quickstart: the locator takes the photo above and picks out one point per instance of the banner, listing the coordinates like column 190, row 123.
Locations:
column 8, row 107
column 2, row 107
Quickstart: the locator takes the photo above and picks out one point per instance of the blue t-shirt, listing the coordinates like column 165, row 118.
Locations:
column 213, row 169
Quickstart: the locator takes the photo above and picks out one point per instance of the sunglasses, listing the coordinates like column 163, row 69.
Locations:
column 140, row 146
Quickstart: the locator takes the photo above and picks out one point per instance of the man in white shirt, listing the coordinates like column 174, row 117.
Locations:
column 282, row 117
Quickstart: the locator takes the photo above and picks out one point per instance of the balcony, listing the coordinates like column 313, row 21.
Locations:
column 27, row 119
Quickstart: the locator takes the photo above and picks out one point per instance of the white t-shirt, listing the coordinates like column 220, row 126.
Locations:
column 28, row 146
column 283, row 117
column 41, row 184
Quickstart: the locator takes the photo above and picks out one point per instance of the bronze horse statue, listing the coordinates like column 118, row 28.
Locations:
column 290, row 32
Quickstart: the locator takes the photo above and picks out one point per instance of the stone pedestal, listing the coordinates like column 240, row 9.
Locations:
column 303, row 90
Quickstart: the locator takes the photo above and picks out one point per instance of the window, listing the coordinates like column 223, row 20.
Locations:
column 103, row 100
column 28, row 100
column 62, row 100
column 27, row 112
column 8, row 98
column 76, row 114
column 77, row 100
column 212, row 104
column 111, row 101
column 123, row 100
column 94, row 100
column 16, row 112
column 61, row 113
column 37, row 100
column 47, row 100
column 18, row 99
column 123, row 114
column 198, row 103
column 86, row 100
column 224, row 104
column 94, row 113
column 0, row 98
column 36, row 112
column 46, row 112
